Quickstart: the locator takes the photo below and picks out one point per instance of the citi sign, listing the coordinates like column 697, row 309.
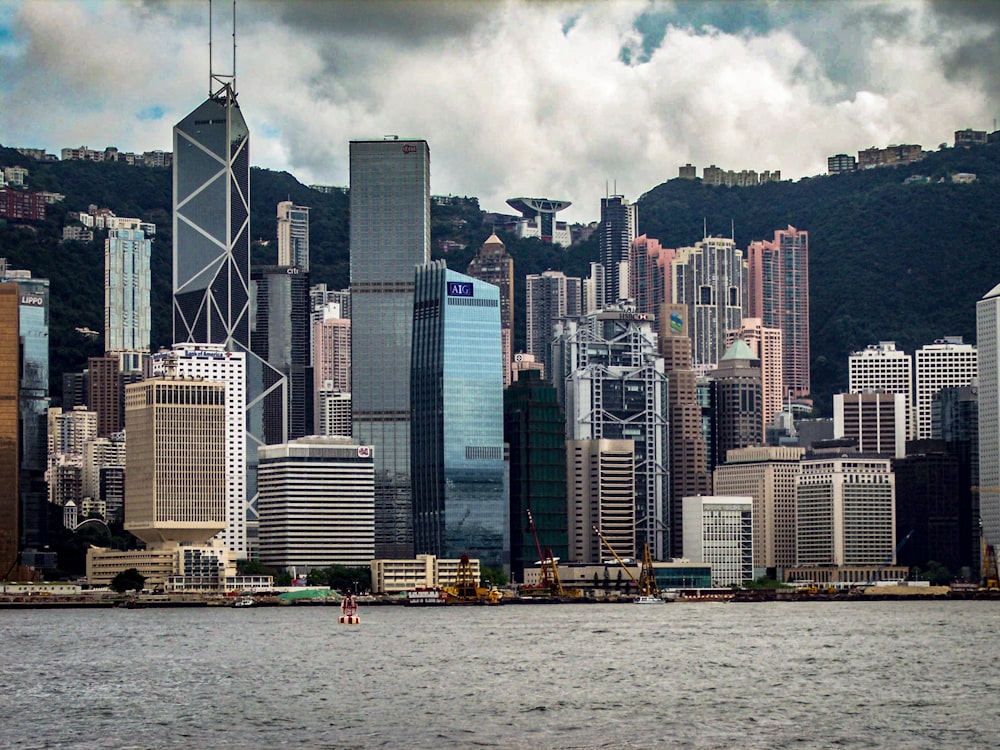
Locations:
column 459, row 289
column 409, row 148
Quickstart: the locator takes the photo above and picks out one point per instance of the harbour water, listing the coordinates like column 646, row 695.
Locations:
column 683, row 675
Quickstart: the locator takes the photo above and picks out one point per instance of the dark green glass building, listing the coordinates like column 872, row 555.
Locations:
column 534, row 429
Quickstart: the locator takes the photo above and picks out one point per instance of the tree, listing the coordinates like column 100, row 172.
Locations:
column 489, row 574
column 128, row 580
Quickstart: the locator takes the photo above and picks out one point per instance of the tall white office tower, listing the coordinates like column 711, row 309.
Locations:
column 127, row 314
column 611, row 381
column 549, row 297
column 212, row 363
column 988, row 343
column 882, row 367
column 390, row 236
column 946, row 363
column 293, row 235
column 710, row 279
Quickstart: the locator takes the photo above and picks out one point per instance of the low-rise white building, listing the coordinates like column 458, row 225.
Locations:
column 718, row 530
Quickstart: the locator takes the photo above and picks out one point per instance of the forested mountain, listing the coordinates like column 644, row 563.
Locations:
column 888, row 260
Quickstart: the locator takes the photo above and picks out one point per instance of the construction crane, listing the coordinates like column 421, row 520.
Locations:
column 549, row 583
column 645, row 580
column 987, row 552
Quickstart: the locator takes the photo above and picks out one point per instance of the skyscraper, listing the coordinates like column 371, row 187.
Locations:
column 495, row 266
column 535, row 430
column 619, row 222
column 390, row 236
column 649, row 276
column 711, row 280
column 293, row 235
column 105, row 394
column 689, row 473
column 765, row 343
column 600, row 483
column 988, row 344
column 876, row 421
column 211, row 362
column 882, row 367
column 460, row 499
column 175, row 474
column 612, row 384
column 778, row 294
column 279, row 338
column 944, row 364
column 736, row 403
column 127, row 313
column 211, row 225
column 32, row 327
column 9, row 438
column 549, row 297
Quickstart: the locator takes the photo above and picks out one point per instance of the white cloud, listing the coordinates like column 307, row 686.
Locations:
column 510, row 103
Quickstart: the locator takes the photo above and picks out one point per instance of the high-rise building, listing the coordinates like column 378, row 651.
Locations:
column 333, row 415
column 765, row 343
column 104, row 474
column 549, row 297
column 846, row 510
column 649, row 276
column 317, row 504
column 619, row 226
column 736, row 403
column 718, row 530
column 495, row 266
column 293, row 235
column 106, row 396
column 768, row 475
column 175, row 460
column 600, row 482
column 10, row 463
column 390, row 236
column 778, row 294
column 689, row 473
column 32, row 325
column 211, row 226
column 535, row 429
column 212, row 363
column 948, row 362
column 928, row 504
column 592, row 289
column 612, row 384
column 883, row 367
column 956, row 419
column 460, row 498
column 279, row 338
column 875, row 421
column 127, row 312
column 710, row 279
column 988, row 344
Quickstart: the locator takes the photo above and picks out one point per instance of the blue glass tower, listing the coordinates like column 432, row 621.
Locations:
column 460, row 496
column 127, row 312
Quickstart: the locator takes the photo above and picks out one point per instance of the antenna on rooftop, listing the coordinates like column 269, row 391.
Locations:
column 220, row 78
column 704, row 227
column 732, row 230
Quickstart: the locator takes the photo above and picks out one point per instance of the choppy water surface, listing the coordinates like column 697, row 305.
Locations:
column 772, row 675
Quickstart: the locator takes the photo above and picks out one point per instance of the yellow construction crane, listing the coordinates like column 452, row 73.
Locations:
column 646, row 582
column 987, row 552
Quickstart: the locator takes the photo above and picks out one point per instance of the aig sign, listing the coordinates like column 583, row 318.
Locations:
column 459, row 289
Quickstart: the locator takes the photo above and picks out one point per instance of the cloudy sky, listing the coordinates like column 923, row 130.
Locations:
column 553, row 99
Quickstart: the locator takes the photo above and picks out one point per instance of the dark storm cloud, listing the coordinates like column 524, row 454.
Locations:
column 977, row 56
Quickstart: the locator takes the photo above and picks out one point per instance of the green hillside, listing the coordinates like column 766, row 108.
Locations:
column 888, row 261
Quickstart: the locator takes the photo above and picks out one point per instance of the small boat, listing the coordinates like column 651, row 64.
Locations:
column 426, row 597
column 648, row 599
column 244, row 601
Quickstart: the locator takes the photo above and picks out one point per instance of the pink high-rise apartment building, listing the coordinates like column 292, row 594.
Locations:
column 332, row 357
column 778, row 294
column 649, row 275
column 765, row 343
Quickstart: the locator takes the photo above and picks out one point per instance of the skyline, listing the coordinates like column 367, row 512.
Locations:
column 564, row 100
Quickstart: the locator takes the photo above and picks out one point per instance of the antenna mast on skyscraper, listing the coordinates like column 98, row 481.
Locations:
column 225, row 81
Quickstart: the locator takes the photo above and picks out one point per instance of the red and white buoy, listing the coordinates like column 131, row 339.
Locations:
column 349, row 611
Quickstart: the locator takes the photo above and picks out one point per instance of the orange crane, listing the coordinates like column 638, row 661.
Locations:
column 645, row 579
